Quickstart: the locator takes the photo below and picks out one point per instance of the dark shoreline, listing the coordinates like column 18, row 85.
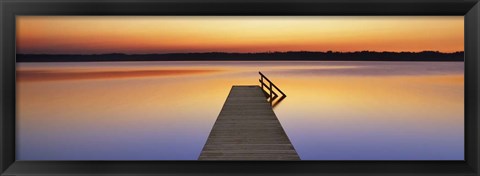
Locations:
column 266, row 56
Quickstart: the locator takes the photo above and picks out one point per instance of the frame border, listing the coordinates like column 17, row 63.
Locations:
column 11, row 8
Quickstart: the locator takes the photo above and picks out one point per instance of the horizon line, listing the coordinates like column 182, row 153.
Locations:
column 263, row 52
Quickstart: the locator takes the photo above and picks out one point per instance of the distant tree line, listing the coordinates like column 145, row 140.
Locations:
column 263, row 56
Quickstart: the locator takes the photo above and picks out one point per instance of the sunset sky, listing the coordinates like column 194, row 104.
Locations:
column 173, row 34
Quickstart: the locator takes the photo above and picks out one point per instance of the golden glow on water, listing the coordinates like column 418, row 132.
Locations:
column 164, row 34
column 323, row 115
column 48, row 75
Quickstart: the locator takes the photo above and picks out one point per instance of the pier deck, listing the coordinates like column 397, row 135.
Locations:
column 248, row 129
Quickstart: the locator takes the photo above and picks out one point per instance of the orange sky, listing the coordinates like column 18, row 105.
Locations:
column 167, row 34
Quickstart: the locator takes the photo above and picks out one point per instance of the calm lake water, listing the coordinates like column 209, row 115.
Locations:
column 165, row 110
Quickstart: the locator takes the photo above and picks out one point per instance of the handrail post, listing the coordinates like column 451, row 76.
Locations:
column 271, row 93
column 261, row 80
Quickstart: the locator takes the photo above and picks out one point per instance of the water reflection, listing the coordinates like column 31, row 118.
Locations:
column 55, row 75
column 165, row 110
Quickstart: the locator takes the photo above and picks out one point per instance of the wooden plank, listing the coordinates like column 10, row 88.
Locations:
column 247, row 129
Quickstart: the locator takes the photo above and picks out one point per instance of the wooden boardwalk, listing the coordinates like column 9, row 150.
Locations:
column 248, row 129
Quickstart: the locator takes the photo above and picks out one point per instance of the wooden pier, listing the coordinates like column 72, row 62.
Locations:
column 248, row 129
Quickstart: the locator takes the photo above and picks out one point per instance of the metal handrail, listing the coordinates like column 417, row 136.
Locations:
column 271, row 94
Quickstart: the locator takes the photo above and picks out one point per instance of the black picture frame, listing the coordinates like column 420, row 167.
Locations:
column 470, row 9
